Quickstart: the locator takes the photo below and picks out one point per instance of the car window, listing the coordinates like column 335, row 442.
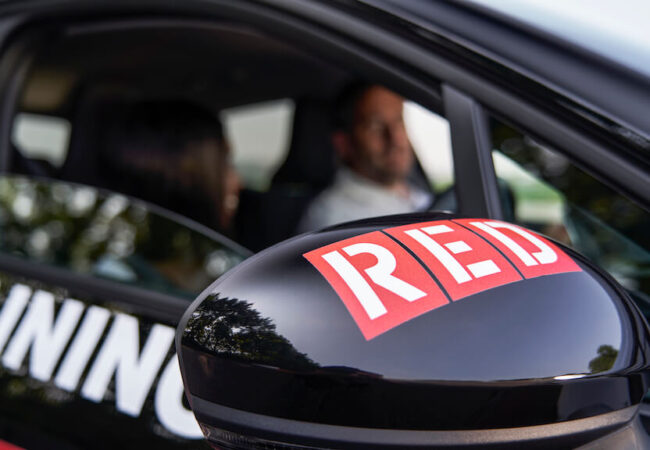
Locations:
column 107, row 235
column 274, row 154
column 259, row 136
column 41, row 137
column 431, row 141
column 555, row 197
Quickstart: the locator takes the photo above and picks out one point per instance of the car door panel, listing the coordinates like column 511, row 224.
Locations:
column 87, row 318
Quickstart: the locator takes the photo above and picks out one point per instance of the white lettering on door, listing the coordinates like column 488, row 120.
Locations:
column 45, row 338
column 134, row 371
column 82, row 347
column 169, row 403
column 11, row 311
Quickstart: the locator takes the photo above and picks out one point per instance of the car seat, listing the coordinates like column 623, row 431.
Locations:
column 265, row 218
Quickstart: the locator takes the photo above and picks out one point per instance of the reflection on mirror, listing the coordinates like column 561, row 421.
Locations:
column 231, row 327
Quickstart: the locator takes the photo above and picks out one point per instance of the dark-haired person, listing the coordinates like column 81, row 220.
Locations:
column 376, row 158
column 174, row 154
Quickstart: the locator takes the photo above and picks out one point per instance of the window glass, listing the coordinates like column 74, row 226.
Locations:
column 259, row 137
column 555, row 197
column 110, row 236
column 41, row 137
column 429, row 135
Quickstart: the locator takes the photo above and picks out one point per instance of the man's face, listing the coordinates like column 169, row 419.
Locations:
column 379, row 146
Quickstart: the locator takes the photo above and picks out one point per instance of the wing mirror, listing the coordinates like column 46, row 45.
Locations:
column 415, row 331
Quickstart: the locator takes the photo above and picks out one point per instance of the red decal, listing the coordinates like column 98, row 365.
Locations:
column 533, row 255
column 381, row 285
column 7, row 446
column 463, row 262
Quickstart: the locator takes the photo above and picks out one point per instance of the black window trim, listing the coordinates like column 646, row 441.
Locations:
column 477, row 191
column 146, row 302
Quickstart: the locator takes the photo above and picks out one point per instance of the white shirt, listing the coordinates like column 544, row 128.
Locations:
column 353, row 197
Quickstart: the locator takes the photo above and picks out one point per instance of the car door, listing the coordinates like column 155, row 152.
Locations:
column 428, row 60
column 92, row 285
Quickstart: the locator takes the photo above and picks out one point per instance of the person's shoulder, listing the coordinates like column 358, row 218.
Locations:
column 311, row 217
column 317, row 212
column 333, row 205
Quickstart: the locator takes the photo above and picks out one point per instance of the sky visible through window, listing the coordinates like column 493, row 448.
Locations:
column 617, row 30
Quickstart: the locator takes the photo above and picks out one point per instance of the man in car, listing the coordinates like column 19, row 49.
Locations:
column 376, row 155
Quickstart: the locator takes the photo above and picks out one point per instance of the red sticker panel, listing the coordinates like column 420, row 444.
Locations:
column 463, row 262
column 533, row 255
column 380, row 283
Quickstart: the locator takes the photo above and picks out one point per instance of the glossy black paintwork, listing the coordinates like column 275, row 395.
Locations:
column 108, row 251
column 39, row 414
column 488, row 361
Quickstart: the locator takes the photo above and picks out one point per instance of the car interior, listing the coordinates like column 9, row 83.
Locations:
column 274, row 98
column 86, row 76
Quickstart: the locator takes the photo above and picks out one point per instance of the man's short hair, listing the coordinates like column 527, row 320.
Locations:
column 346, row 104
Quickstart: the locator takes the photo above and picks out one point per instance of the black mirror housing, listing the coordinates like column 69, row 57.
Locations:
column 419, row 330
